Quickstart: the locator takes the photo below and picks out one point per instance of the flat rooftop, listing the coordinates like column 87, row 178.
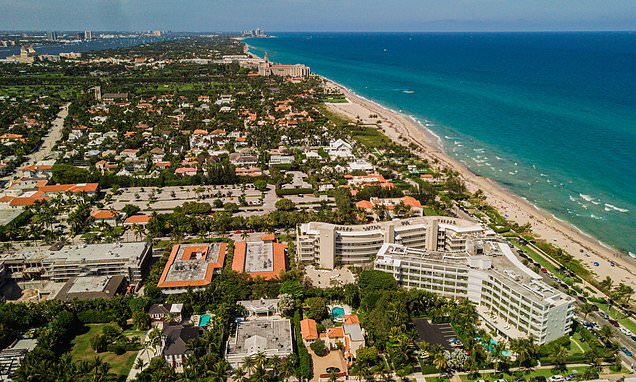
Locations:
column 89, row 284
column 259, row 258
column 192, row 264
column 261, row 336
column 80, row 253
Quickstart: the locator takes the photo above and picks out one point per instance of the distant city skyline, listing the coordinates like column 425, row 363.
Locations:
column 319, row 15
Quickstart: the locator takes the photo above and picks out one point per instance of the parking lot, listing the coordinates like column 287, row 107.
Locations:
column 434, row 333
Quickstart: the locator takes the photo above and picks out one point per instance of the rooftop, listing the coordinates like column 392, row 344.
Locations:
column 259, row 258
column 261, row 336
column 192, row 265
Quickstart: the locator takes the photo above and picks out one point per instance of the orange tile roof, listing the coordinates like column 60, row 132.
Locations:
column 189, row 283
column 190, row 251
column 104, row 214
column 365, row 204
column 308, row 329
column 268, row 237
column 278, row 253
column 411, row 201
column 351, row 319
column 335, row 333
column 138, row 219
column 80, row 187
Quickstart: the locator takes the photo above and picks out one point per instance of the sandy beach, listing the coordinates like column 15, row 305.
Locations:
column 544, row 225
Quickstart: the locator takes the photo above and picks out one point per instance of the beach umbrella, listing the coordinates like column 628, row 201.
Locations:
column 596, row 264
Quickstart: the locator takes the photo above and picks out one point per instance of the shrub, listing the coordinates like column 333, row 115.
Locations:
column 319, row 348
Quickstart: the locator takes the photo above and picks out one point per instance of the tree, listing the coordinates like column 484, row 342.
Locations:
column 586, row 309
column 559, row 355
column 141, row 320
column 316, row 308
column 376, row 280
column 606, row 332
column 607, row 284
column 130, row 209
column 439, row 360
column 319, row 348
column 99, row 342
column 231, row 207
column 285, row 205
column 260, row 185
column 286, row 304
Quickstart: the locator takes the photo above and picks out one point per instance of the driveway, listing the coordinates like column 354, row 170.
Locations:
column 320, row 364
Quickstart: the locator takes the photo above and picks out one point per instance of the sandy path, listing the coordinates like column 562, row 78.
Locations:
column 544, row 225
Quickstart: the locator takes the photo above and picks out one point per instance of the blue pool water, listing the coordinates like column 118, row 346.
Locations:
column 337, row 312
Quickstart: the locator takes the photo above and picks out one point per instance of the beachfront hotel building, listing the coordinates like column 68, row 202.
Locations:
column 267, row 68
column 330, row 245
column 510, row 298
column 191, row 267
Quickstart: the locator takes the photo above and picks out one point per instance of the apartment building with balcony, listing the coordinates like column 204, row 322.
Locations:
column 510, row 298
column 330, row 245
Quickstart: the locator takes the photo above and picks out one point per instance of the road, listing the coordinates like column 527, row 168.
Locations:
column 51, row 137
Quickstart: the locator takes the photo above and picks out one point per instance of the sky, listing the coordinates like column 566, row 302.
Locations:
column 318, row 15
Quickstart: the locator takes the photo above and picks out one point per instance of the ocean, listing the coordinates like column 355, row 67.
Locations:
column 550, row 116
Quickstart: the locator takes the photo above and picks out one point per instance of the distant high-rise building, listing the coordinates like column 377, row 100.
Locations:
column 88, row 35
column 51, row 36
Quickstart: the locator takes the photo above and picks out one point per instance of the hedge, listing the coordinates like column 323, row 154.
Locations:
column 304, row 360
column 293, row 191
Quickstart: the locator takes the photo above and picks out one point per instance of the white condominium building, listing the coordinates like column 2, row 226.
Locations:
column 330, row 245
column 511, row 299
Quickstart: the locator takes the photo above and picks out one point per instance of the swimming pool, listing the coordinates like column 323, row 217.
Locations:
column 337, row 312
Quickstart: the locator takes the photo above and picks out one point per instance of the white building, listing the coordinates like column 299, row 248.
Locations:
column 340, row 149
column 511, row 299
column 330, row 245
column 262, row 331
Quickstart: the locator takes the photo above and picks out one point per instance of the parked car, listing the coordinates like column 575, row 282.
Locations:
column 604, row 315
column 614, row 323
column 556, row 378
column 626, row 351
column 540, row 378
column 520, row 379
column 634, row 338
column 333, row 370
column 570, row 377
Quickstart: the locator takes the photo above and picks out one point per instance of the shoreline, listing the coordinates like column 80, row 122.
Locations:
column 545, row 225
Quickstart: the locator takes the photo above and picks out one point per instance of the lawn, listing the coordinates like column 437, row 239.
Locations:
column 577, row 346
column 526, row 373
column 120, row 364
column 370, row 137
column 623, row 320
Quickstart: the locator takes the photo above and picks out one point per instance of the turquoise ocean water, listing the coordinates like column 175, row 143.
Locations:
column 550, row 116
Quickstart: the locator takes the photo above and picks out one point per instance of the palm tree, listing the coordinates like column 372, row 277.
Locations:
column 140, row 364
column 249, row 364
column 439, row 359
column 495, row 353
column 606, row 332
column 260, row 359
column 586, row 309
column 607, row 284
column 239, row 375
column 559, row 355
column 99, row 370
column 219, row 371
